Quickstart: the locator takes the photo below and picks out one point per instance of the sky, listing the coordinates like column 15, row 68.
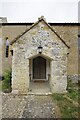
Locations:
column 55, row 11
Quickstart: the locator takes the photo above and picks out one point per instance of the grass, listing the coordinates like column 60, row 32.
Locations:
column 6, row 83
column 67, row 108
column 73, row 91
column 73, row 94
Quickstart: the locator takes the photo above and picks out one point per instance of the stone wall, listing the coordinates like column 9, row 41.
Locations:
column 53, row 48
column 20, row 71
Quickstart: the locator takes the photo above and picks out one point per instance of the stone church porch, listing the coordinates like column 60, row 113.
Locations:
column 39, row 55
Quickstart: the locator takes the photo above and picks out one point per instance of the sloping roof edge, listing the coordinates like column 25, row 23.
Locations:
column 40, row 19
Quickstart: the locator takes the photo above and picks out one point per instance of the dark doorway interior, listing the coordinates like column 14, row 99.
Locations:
column 39, row 68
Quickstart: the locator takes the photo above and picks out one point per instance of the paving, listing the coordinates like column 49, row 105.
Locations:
column 28, row 106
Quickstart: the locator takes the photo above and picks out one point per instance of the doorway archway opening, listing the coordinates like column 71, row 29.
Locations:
column 39, row 69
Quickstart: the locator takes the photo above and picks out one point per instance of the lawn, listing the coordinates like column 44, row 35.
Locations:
column 68, row 102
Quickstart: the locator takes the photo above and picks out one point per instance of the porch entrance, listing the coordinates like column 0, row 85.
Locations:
column 39, row 68
column 40, row 75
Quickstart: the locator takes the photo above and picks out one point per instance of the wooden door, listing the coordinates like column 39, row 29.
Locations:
column 39, row 68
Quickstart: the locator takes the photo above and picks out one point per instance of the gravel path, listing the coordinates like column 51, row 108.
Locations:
column 31, row 106
column 12, row 105
column 39, row 107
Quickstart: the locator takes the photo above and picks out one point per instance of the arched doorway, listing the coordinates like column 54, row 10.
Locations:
column 39, row 68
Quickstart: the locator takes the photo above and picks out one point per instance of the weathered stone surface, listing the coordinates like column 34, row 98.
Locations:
column 74, row 78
